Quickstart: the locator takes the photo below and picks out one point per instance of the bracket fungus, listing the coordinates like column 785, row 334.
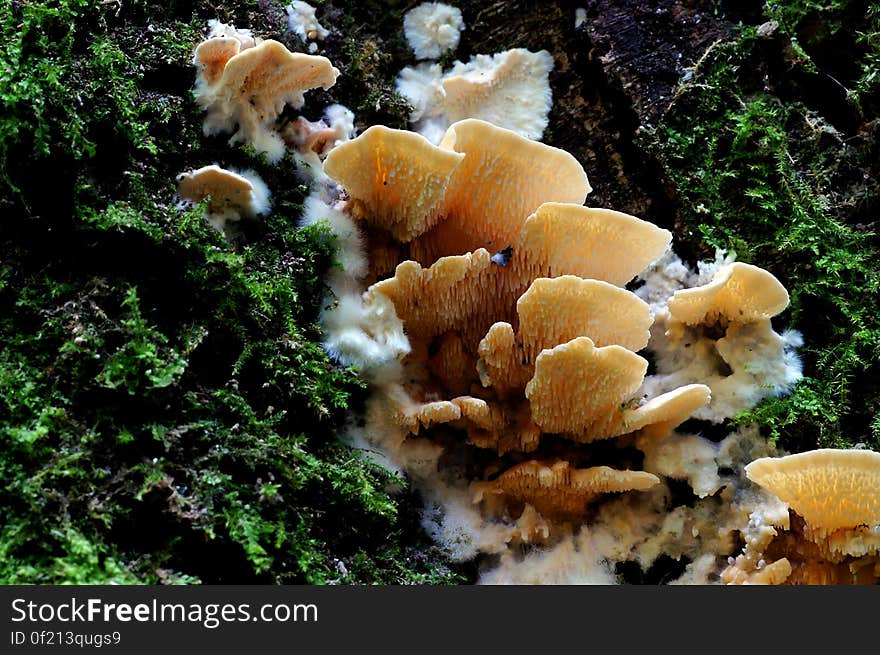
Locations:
column 738, row 293
column 230, row 195
column 244, row 87
column 832, row 535
column 319, row 137
column 556, row 488
column 222, row 44
column 557, row 310
column 584, row 392
column 523, row 343
column 396, row 179
column 715, row 327
column 498, row 334
column 489, row 333
column 831, row 489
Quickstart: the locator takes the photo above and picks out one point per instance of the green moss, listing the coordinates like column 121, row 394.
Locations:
column 867, row 87
column 766, row 176
column 167, row 413
column 791, row 14
column 842, row 37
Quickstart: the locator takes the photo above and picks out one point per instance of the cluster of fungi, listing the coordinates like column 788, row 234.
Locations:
column 244, row 83
column 537, row 339
column 523, row 337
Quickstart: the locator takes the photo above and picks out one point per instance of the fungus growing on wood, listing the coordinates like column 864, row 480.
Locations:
column 211, row 57
column 254, row 86
column 831, row 489
column 230, row 196
column 580, row 389
column 500, row 181
column 489, row 185
column 321, row 136
column 522, row 338
column 583, row 391
column 555, row 310
column 397, row 180
column 495, row 195
column 475, row 189
column 303, row 22
column 714, row 327
column 440, row 298
column 591, row 243
column 738, row 293
column 509, row 89
column 470, row 293
column 556, row 489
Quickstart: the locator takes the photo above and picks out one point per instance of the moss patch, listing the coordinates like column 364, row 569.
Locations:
column 166, row 411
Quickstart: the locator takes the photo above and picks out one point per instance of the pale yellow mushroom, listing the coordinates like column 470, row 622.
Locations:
column 738, row 293
column 580, row 389
column 223, row 189
column 309, row 136
column 834, row 532
column 230, row 196
column 212, row 55
column 831, row 489
column 446, row 296
column 658, row 416
column 567, row 239
column 557, row 310
column 554, row 311
column 502, row 179
column 472, row 292
column 556, row 489
column 438, row 411
column 253, row 89
column 397, row 180
column 586, row 393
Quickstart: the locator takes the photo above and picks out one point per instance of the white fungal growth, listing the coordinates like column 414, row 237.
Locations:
column 245, row 37
column 641, row 527
column 367, row 335
column 510, row 89
column 337, row 126
column 432, row 28
column 302, row 21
